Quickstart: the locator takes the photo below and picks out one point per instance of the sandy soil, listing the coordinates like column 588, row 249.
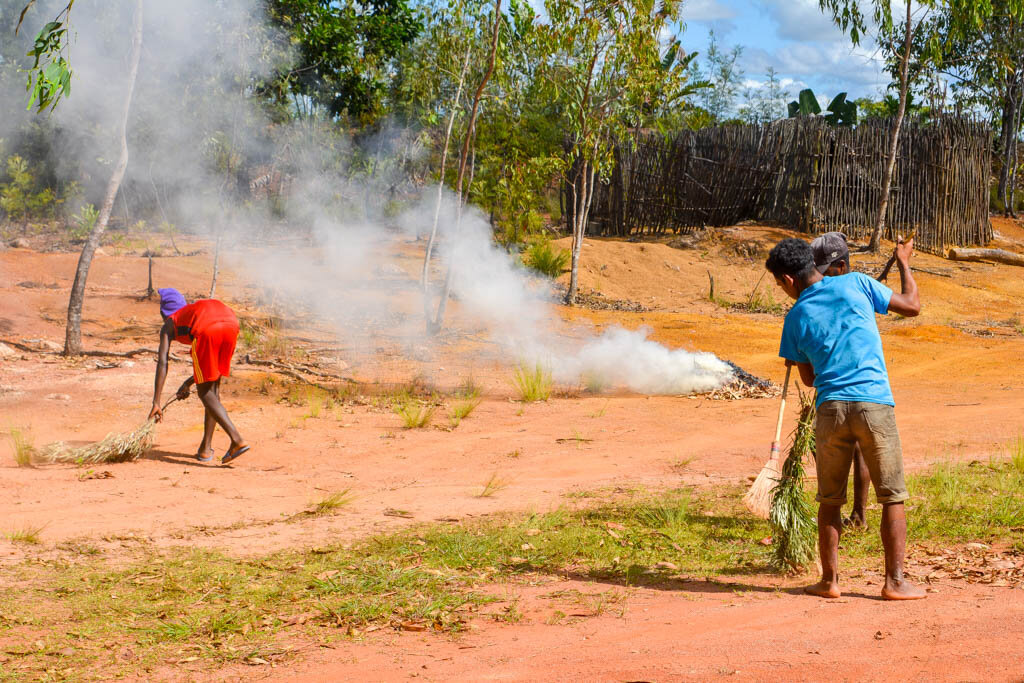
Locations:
column 955, row 372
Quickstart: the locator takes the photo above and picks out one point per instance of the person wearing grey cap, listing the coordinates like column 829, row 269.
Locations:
column 831, row 258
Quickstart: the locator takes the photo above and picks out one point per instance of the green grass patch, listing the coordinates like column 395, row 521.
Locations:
column 534, row 383
column 203, row 609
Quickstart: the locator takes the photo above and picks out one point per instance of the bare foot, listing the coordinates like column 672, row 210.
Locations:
column 824, row 589
column 902, row 590
column 855, row 522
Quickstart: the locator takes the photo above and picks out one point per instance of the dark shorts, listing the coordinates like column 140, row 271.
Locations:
column 842, row 424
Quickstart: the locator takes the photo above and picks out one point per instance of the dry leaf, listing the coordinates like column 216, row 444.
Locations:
column 323, row 576
column 666, row 565
column 532, row 532
column 413, row 626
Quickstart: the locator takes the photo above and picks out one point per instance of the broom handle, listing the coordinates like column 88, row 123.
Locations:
column 776, row 447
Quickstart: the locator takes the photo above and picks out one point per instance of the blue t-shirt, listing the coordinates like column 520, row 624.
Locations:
column 832, row 327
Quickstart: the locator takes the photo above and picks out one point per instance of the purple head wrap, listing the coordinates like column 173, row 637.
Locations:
column 171, row 300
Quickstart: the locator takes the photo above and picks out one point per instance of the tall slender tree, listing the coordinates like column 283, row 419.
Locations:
column 73, row 332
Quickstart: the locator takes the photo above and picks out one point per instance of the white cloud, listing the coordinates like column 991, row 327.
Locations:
column 802, row 20
column 706, row 11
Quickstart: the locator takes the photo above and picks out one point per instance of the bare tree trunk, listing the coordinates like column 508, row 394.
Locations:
column 1007, row 137
column 425, row 274
column 894, row 143
column 73, row 333
column 1015, row 161
column 579, row 230
column 434, row 327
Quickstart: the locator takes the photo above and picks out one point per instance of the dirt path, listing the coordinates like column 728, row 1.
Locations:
column 695, row 632
column 956, row 376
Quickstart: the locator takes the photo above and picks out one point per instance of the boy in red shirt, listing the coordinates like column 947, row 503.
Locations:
column 210, row 328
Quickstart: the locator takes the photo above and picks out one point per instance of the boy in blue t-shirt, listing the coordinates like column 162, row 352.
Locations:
column 831, row 336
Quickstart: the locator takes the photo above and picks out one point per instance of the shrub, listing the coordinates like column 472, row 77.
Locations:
column 546, row 259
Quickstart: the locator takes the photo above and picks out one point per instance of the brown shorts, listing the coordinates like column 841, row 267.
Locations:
column 841, row 425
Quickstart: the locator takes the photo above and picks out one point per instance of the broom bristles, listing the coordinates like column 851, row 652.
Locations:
column 124, row 447
column 759, row 498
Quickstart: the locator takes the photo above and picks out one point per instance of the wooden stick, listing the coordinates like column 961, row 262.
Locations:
column 776, row 444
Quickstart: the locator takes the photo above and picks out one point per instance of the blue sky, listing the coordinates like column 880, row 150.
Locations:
column 795, row 37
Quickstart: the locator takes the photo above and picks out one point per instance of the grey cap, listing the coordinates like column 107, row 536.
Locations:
column 828, row 249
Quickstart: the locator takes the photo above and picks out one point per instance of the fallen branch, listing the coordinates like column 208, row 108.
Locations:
column 294, row 370
column 981, row 255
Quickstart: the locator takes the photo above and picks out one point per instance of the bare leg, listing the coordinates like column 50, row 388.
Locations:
column 209, row 394
column 861, row 480
column 894, row 539
column 830, row 528
column 209, row 425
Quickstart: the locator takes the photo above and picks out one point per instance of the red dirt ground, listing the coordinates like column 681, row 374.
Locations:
column 955, row 372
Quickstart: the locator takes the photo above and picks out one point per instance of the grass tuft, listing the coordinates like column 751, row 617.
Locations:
column 462, row 410
column 332, row 503
column 414, row 414
column 494, row 484
column 1017, row 454
column 28, row 535
column 534, row 384
column 24, row 448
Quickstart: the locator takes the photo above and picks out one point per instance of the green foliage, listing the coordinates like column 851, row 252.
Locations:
column 19, row 198
column 546, row 259
column 840, row 112
column 84, row 222
column 49, row 78
column 534, row 383
column 792, row 516
column 345, row 51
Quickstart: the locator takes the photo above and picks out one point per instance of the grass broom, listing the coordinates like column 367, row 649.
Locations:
column 759, row 498
column 792, row 516
column 125, row 447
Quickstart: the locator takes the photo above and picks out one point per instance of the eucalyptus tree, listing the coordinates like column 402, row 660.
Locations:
column 605, row 57
column 896, row 31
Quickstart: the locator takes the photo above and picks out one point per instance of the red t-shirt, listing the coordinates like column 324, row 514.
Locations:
column 193, row 320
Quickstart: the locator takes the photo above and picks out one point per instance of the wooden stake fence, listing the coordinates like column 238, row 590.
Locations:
column 804, row 174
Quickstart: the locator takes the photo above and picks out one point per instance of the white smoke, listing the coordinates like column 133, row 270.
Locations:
column 356, row 266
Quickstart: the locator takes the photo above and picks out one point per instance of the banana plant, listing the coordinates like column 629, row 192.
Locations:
column 840, row 112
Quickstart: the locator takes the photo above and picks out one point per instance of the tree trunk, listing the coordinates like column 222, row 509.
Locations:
column 73, row 333
column 434, row 327
column 1015, row 158
column 997, row 255
column 579, row 227
column 425, row 274
column 894, row 144
column 1007, row 138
